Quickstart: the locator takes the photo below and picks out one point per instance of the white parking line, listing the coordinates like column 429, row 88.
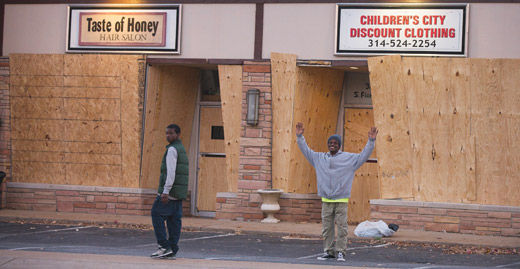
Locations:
column 508, row 265
column 376, row 246
column 192, row 239
column 208, row 237
column 49, row 231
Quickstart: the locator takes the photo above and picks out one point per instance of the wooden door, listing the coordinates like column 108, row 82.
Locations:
column 366, row 180
column 212, row 158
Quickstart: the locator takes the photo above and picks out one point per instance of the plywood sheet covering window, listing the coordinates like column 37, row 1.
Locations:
column 171, row 98
column 462, row 116
column 308, row 95
column 76, row 119
column 366, row 179
column 212, row 179
column 230, row 77
column 210, row 120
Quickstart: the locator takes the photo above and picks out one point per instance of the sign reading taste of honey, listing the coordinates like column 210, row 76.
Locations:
column 124, row 29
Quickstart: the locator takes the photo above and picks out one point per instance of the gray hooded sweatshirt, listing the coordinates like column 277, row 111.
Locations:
column 335, row 174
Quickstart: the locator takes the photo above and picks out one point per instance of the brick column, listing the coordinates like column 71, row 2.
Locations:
column 5, row 127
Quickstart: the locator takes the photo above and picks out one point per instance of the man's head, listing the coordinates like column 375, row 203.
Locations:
column 334, row 143
column 173, row 131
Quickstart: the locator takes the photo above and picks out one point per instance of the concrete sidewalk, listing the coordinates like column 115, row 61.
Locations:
column 308, row 230
column 52, row 260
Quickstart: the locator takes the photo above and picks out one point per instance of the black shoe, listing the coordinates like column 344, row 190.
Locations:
column 170, row 256
column 326, row 256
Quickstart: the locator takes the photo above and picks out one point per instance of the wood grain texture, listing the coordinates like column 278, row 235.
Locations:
column 78, row 118
column 230, row 77
column 366, row 180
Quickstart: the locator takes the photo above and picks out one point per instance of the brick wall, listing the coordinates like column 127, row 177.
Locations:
column 449, row 217
column 83, row 199
column 293, row 207
column 5, row 128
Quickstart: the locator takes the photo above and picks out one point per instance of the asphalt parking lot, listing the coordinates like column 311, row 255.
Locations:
column 97, row 239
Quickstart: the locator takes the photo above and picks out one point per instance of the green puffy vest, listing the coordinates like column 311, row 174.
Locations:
column 180, row 186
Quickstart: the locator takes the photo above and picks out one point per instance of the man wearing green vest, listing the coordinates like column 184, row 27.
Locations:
column 173, row 186
column 334, row 175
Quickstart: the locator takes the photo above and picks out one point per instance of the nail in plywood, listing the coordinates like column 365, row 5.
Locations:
column 366, row 181
column 392, row 119
column 171, row 98
column 230, row 77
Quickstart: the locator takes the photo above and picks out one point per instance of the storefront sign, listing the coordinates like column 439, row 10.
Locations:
column 401, row 29
column 124, row 29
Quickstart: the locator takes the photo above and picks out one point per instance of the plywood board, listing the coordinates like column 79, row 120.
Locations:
column 36, row 64
column 212, row 179
column 68, row 108
column 463, row 115
column 77, row 115
column 173, row 101
column 366, row 181
column 391, row 117
column 364, row 188
column 495, row 123
column 132, row 75
column 316, row 104
column 284, row 77
column 210, row 117
column 230, row 77
column 66, row 92
column 438, row 112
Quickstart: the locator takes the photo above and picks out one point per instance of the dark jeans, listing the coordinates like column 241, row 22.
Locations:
column 172, row 214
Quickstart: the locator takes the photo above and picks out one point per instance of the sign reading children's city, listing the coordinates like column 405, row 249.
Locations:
column 124, row 28
column 401, row 29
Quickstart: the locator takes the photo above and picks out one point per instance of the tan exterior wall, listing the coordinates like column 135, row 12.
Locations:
column 227, row 30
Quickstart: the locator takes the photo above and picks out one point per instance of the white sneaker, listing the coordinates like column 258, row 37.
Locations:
column 341, row 258
column 161, row 252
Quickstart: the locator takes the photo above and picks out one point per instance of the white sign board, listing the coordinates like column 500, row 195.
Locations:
column 124, row 28
column 401, row 29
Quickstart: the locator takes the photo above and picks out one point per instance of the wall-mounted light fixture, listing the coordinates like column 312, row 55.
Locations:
column 252, row 97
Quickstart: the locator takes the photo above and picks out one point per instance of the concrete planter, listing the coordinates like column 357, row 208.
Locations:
column 270, row 204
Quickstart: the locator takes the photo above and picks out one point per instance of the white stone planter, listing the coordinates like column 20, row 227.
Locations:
column 270, row 204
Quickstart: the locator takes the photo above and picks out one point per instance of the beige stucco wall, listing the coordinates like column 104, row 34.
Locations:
column 226, row 31
column 34, row 29
column 208, row 31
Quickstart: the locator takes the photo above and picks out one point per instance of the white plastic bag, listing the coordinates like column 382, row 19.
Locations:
column 373, row 229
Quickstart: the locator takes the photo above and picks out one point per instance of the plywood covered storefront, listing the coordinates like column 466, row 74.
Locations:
column 448, row 129
column 76, row 119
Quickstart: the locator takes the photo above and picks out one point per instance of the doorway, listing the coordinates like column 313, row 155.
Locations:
column 211, row 159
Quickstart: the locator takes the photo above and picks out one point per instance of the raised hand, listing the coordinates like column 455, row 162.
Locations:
column 299, row 128
column 372, row 134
